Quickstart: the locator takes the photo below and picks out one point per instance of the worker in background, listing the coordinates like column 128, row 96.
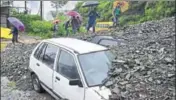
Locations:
column 116, row 13
column 92, row 19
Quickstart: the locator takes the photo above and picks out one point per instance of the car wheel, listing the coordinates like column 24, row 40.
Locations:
column 36, row 84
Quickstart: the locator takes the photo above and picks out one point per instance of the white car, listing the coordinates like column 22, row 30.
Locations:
column 70, row 69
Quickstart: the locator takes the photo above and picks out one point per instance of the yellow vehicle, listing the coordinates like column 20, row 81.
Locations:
column 103, row 26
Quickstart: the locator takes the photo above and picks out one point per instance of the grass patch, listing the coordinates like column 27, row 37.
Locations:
column 42, row 36
column 11, row 84
column 3, row 45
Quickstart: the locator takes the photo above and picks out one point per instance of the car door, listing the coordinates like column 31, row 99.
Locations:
column 34, row 59
column 66, row 69
column 45, row 64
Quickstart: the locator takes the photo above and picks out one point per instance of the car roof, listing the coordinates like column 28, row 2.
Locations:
column 77, row 45
column 97, row 38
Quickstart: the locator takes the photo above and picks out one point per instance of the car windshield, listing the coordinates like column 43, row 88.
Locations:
column 95, row 66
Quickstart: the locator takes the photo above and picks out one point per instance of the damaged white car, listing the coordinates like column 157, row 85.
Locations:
column 70, row 69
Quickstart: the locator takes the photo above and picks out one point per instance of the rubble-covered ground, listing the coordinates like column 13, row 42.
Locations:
column 9, row 91
column 15, row 63
column 143, row 70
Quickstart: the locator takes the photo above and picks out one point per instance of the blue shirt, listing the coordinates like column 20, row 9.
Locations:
column 92, row 17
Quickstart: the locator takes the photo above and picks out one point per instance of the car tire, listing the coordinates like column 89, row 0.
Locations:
column 36, row 84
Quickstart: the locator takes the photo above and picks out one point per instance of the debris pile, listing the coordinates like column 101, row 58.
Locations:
column 145, row 69
column 15, row 63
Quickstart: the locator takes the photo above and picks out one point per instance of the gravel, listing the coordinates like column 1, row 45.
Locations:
column 143, row 69
column 10, row 92
column 15, row 63
column 148, row 68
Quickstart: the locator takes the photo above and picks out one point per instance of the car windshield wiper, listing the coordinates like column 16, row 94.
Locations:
column 105, row 81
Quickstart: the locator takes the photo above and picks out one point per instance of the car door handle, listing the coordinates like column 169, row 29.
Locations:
column 57, row 78
column 37, row 64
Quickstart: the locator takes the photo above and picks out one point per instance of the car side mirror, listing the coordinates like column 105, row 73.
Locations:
column 75, row 82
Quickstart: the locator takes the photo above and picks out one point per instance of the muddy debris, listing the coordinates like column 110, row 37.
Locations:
column 148, row 68
column 143, row 70
column 15, row 63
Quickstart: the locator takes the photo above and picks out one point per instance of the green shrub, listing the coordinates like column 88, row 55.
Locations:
column 43, row 36
column 61, row 31
column 82, row 29
column 40, row 27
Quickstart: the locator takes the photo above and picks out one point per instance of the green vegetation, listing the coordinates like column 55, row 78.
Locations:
column 138, row 12
column 3, row 45
column 12, row 84
column 37, row 27
column 41, row 28
column 34, row 25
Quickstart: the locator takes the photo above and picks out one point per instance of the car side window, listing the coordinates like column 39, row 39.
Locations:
column 40, row 51
column 66, row 66
column 36, row 54
column 50, row 55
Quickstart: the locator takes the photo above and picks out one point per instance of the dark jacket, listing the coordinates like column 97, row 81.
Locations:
column 55, row 27
column 74, row 23
column 66, row 24
column 14, row 30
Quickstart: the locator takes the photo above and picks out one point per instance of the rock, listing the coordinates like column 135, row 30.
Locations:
column 28, row 94
column 158, row 82
column 149, row 72
column 10, row 77
column 168, row 60
column 118, row 70
column 19, row 72
column 118, row 61
column 123, row 83
column 116, row 90
column 127, row 76
column 170, row 75
column 24, row 77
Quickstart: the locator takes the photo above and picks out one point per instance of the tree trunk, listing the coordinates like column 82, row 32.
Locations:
column 41, row 10
column 25, row 5
column 56, row 9
column 8, row 23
